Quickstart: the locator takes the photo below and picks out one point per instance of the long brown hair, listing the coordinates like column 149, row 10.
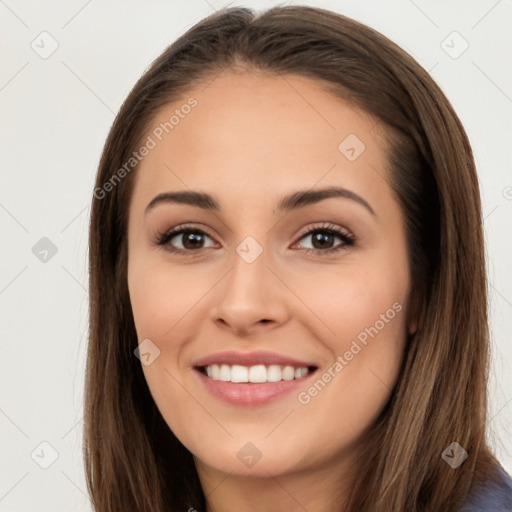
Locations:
column 133, row 460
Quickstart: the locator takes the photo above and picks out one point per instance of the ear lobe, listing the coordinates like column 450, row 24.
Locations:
column 413, row 327
column 413, row 312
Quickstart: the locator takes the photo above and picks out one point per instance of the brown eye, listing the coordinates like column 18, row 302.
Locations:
column 184, row 239
column 323, row 238
column 191, row 239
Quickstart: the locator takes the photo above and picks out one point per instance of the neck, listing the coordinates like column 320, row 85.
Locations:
column 322, row 489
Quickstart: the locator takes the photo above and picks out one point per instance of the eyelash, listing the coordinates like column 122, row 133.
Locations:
column 162, row 239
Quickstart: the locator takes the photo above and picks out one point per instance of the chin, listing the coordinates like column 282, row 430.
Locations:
column 251, row 460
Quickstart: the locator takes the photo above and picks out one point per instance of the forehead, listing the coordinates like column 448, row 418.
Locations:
column 252, row 131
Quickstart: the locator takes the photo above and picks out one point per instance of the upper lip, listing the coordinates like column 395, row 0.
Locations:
column 251, row 359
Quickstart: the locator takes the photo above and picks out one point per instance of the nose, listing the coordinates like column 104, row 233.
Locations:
column 251, row 297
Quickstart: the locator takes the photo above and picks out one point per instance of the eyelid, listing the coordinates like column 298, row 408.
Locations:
column 325, row 226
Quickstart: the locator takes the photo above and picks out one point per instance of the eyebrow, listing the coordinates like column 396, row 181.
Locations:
column 293, row 201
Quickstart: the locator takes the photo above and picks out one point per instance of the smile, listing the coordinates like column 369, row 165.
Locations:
column 250, row 378
column 256, row 374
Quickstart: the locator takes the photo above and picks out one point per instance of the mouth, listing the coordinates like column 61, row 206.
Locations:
column 250, row 379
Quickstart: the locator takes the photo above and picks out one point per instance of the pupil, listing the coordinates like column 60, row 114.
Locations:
column 192, row 240
column 324, row 240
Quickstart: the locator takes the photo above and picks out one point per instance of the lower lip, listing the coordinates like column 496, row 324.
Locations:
column 248, row 393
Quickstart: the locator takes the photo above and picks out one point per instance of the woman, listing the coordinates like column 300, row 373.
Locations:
column 232, row 367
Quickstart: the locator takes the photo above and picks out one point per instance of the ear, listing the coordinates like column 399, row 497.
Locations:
column 413, row 311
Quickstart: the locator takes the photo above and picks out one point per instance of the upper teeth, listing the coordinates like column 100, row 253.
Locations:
column 258, row 373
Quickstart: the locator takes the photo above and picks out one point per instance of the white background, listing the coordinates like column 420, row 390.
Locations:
column 55, row 115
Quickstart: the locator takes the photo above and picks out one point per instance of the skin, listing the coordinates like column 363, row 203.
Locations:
column 251, row 140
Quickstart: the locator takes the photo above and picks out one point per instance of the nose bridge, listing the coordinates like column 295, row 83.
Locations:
column 249, row 275
column 250, row 250
column 251, row 292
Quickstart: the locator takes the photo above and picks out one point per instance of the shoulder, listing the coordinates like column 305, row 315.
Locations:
column 494, row 496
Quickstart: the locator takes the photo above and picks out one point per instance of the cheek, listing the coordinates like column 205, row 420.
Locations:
column 367, row 349
column 347, row 299
column 163, row 303
column 162, row 298
column 362, row 309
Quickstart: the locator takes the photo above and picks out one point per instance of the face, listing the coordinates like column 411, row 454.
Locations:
column 265, row 320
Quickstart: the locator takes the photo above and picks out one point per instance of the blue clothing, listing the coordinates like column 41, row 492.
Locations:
column 491, row 497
